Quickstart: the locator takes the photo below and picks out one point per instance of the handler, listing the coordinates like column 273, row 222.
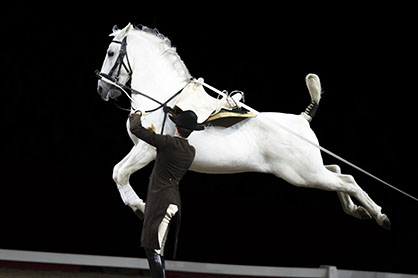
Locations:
column 174, row 157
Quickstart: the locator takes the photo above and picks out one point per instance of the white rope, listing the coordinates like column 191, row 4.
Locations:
column 201, row 81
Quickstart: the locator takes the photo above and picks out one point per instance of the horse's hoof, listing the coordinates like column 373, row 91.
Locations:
column 385, row 224
column 362, row 213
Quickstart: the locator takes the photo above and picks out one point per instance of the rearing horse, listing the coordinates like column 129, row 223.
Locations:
column 145, row 59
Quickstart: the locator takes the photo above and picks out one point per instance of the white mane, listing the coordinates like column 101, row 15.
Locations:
column 163, row 44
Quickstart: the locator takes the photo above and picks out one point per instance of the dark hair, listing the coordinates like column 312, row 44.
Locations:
column 184, row 132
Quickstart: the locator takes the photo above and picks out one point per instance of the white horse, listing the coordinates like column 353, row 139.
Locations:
column 146, row 59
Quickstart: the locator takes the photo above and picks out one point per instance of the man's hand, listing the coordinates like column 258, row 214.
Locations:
column 138, row 112
column 135, row 119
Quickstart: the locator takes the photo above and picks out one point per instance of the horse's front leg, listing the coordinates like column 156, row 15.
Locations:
column 137, row 158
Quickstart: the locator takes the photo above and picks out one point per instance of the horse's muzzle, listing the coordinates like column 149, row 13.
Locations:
column 106, row 90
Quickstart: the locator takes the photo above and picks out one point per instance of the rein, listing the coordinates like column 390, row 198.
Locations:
column 113, row 81
column 119, row 63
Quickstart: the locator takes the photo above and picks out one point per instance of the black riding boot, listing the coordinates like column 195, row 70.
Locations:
column 156, row 264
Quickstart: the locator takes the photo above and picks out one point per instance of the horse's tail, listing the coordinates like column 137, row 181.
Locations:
column 314, row 87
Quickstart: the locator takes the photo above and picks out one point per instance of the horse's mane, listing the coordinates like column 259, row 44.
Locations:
column 166, row 46
column 155, row 32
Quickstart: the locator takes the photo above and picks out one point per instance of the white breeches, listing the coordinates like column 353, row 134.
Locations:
column 163, row 228
column 130, row 198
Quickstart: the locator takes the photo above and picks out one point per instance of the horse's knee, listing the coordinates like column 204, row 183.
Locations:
column 120, row 175
column 116, row 171
column 115, row 175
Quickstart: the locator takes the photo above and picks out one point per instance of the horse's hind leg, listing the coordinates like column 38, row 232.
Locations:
column 322, row 178
column 348, row 205
column 346, row 184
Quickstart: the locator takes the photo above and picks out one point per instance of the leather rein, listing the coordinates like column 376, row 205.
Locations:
column 119, row 63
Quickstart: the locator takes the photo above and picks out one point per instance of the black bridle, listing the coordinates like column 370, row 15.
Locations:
column 119, row 63
column 114, row 78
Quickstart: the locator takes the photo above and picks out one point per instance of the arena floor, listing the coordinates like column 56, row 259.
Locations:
column 28, row 273
column 34, row 264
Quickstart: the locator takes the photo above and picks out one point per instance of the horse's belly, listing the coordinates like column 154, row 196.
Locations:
column 223, row 159
column 219, row 166
column 222, row 151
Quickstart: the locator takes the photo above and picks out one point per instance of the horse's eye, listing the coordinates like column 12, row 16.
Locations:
column 110, row 53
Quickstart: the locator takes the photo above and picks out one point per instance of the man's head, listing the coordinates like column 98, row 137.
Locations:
column 186, row 123
column 183, row 132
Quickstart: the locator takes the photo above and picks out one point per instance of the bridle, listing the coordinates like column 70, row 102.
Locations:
column 119, row 63
column 114, row 80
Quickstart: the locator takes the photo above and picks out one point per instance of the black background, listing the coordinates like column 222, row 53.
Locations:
column 60, row 141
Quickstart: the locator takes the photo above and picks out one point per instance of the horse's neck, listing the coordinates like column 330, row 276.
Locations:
column 158, row 76
column 155, row 121
column 161, row 91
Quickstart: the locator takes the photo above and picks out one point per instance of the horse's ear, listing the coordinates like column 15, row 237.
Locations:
column 121, row 33
column 115, row 30
column 125, row 31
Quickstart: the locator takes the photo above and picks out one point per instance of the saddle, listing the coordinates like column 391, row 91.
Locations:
column 227, row 118
column 209, row 110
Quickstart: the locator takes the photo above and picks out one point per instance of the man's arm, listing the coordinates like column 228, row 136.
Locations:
column 144, row 134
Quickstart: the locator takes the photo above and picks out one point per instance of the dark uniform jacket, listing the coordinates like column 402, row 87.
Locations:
column 174, row 157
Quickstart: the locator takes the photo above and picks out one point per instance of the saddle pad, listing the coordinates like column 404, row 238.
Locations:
column 226, row 118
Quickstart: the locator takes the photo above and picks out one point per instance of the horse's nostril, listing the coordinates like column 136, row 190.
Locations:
column 99, row 89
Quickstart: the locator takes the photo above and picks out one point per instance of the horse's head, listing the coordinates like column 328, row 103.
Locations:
column 143, row 62
column 116, row 66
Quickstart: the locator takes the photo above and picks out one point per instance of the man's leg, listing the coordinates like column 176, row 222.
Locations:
column 155, row 257
column 155, row 263
column 164, row 227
